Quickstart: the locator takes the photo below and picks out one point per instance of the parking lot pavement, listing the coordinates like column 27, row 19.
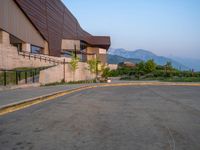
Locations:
column 109, row 118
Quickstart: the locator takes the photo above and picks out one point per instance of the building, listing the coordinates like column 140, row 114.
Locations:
column 45, row 28
column 127, row 64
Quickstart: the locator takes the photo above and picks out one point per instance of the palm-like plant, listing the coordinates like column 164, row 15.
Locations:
column 74, row 64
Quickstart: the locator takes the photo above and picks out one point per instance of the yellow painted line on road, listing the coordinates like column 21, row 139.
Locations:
column 28, row 103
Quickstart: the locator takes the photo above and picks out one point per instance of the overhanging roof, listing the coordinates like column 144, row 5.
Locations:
column 55, row 22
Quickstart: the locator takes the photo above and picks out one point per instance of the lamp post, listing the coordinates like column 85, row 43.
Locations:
column 75, row 53
column 64, row 69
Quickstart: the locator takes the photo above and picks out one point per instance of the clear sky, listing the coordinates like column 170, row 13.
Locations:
column 165, row 27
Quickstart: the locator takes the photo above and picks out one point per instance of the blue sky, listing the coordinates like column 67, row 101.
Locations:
column 165, row 27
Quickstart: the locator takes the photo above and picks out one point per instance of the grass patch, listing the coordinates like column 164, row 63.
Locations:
column 11, row 75
column 164, row 79
column 182, row 79
column 71, row 82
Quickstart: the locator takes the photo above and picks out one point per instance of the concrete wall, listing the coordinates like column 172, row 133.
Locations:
column 101, row 54
column 69, row 44
column 56, row 74
column 51, row 75
column 10, row 59
column 113, row 66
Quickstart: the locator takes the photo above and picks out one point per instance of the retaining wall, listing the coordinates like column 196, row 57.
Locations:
column 56, row 74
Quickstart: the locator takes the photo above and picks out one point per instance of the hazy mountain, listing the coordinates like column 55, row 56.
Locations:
column 114, row 59
column 146, row 55
column 190, row 62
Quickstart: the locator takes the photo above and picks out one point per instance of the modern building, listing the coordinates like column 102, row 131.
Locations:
column 37, row 33
column 48, row 27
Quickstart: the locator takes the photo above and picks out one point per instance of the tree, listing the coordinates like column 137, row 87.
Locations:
column 106, row 73
column 169, row 65
column 168, row 69
column 74, row 64
column 93, row 65
column 150, row 66
column 139, row 70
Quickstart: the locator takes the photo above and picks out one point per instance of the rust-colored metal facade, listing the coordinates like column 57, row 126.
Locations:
column 55, row 22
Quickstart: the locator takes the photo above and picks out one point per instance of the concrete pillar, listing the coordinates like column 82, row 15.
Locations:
column 4, row 38
column 46, row 48
column 26, row 47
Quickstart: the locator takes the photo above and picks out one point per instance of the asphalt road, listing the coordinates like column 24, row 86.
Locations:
column 109, row 118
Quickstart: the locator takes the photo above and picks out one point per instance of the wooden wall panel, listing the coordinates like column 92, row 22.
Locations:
column 55, row 22
column 13, row 20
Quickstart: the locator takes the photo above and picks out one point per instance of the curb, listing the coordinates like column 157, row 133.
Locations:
column 33, row 101
column 30, row 102
column 19, row 87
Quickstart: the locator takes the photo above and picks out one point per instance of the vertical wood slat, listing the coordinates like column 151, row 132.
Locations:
column 55, row 22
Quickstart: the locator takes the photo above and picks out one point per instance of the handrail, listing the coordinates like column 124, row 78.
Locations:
column 46, row 57
column 26, row 70
column 77, row 51
column 40, row 57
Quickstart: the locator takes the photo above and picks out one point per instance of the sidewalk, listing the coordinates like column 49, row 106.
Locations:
column 17, row 95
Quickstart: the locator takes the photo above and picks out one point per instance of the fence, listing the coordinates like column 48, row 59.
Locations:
column 19, row 76
column 25, row 76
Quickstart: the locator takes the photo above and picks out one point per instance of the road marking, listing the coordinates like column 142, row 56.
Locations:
column 28, row 103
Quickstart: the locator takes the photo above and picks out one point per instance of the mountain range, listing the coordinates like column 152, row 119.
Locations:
column 114, row 59
column 119, row 55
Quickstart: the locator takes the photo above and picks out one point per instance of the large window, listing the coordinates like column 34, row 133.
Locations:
column 83, row 45
column 36, row 49
column 16, row 42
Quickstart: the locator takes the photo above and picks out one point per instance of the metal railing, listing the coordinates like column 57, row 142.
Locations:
column 20, row 76
column 40, row 57
column 25, row 76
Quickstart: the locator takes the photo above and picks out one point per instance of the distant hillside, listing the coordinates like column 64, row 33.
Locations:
column 190, row 62
column 114, row 59
column 146, row 55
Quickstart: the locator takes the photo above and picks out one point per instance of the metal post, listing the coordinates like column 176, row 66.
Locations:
column 26, row 77
column 16, row 78
column 96, row 69
column 5, row 78
column 75, row 51
column 33, row 76
column 19, row 75
column 64, row 70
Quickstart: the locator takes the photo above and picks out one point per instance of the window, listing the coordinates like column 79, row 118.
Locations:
column 36, row 49
column 18, row 45
column 83, row 45
column 16, row 42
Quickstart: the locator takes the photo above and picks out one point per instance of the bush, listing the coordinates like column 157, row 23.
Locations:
column 106, row 73
column 150, row 66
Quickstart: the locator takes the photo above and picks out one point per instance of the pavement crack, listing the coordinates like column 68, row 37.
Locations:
column 186, row 107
